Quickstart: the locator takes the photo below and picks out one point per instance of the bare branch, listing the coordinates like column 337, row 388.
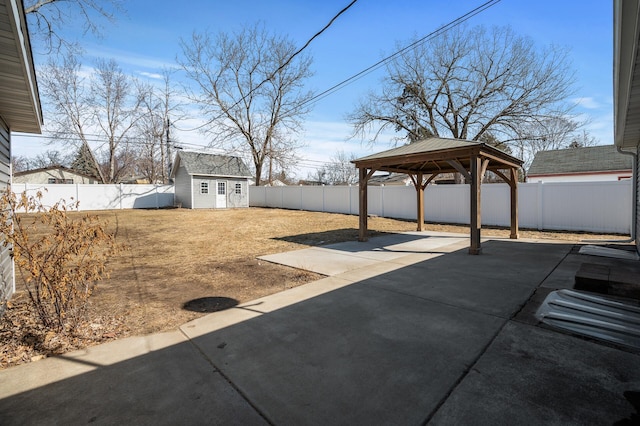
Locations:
column 467, row 84
column 48, row 18
column 251, row 91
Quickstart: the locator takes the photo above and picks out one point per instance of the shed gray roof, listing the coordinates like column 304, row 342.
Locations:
column 579, row 160
column 198, row 163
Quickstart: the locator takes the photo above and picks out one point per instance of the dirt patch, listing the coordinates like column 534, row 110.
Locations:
column 204, row 257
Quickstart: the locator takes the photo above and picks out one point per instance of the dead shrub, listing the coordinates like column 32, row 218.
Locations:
column 61, row 263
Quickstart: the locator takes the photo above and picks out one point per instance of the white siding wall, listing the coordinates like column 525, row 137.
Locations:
column 597, row 177
column 637, row 218
column 7, row 283
column 43, row 177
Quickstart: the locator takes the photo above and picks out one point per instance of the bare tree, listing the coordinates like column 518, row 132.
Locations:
column 71, row 112
column 340, row 170
column 19, row 163
column 468, row 83
column 103, row 107
column 47, row 18
column 251, row 91
column 551, row 133
column 318, row 176
column 583, row 139
column 48, row 158
column 116, row 111
column 160, row 107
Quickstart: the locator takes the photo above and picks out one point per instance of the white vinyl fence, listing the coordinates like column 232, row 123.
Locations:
column 572, row 206
column 102, row 197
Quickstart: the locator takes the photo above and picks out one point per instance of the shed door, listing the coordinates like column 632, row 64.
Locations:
column 221, row 195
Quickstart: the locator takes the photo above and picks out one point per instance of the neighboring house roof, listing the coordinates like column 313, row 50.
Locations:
column 199, row 163
column 20, row 102
column 585, row 160
column 55, row 168
column 390, row 179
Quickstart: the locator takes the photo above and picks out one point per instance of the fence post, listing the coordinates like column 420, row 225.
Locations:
column 382, row 200
column 540, row 209
column 78, row 196
column 121, row 195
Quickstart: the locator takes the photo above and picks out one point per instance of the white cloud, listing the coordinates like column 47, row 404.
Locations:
column 152, row 75
column 587, row 102
column 130, row 60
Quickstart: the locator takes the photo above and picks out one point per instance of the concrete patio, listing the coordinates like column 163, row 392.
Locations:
column 406, row 329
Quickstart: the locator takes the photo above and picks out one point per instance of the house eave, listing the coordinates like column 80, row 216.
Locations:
column 20, row 104
column 626, row 73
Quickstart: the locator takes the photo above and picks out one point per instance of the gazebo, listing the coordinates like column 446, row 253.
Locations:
column 424, row 160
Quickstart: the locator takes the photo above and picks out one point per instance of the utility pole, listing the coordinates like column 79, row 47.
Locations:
column 168, row 149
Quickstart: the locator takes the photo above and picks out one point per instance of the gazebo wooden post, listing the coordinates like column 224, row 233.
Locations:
column 420, row 201
column 362, row 235
column 476, row 223
column 513, row 185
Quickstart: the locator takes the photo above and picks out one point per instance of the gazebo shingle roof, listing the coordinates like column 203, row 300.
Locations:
column 434, row 155
column 423, row 146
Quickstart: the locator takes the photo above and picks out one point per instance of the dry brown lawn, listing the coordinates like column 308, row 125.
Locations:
column 182, row 263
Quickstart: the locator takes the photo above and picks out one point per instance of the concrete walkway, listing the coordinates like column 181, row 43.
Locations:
column 407, row 329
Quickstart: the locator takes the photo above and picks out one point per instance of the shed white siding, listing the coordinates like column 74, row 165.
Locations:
column 183, row 194
column 237, row 193
column 233, row 197
column 7, row 282
column 202, row 199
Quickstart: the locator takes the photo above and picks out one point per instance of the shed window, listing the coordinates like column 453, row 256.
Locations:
column 204, row 187
column 238, row 188
column 222, row 190
column 55, row 180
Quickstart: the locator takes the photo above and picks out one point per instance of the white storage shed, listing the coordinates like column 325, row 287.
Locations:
column 210, row 181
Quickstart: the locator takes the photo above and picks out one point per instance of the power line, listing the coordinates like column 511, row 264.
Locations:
column 383, row 61
column 288, row 61
column 99, row 139
column 452, row 24
column 282, row 66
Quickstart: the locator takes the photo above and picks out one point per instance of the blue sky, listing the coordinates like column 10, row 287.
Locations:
column 148, row 37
